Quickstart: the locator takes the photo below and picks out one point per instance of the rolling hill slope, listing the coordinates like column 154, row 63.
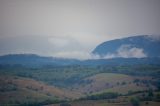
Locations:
column 19, row 90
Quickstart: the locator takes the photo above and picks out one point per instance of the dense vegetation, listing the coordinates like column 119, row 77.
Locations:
column 105, row 95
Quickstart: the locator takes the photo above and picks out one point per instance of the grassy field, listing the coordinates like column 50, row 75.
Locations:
column 113, row 82
column 42, row 86
column 15, row 89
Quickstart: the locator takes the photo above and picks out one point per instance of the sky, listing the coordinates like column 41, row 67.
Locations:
column 72, row 28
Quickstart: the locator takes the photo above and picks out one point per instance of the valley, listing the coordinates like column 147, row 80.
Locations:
column 78, row 84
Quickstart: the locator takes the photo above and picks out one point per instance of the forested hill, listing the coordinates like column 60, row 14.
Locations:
column 135, row 46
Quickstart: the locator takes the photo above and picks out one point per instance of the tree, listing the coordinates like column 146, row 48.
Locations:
column 150, row 93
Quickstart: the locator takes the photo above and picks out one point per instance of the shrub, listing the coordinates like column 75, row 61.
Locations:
column 105, row 95
column 123, row 83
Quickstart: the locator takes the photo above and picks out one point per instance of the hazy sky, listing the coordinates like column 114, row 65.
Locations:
column 72, row 28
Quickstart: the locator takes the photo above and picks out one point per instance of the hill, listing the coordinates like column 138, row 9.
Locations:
column 112, row 82
column 33, row 60
column 130, row 47
column 20, row 90
column 47, row 85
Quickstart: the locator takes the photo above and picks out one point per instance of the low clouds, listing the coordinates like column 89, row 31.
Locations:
column 75, row 45
column 74, row 54
column 66, row 47
column 124, row 51
column 127, row 51
column 73, row 28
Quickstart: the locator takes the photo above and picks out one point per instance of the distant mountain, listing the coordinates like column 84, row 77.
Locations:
column 142, row 49
column 33, row 60
column 131, row 47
